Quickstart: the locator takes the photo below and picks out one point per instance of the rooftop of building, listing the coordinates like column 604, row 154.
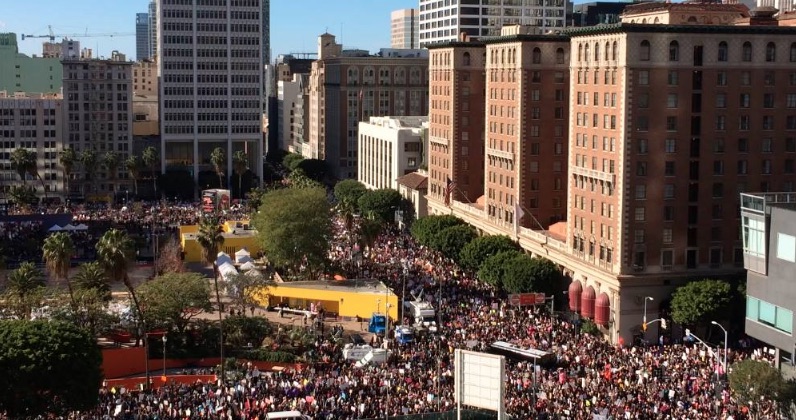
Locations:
column 398, row 122
column 414, row 181
column 364, row 286
column 688, row 6
column 29, row 95
column 683, row 29
column 760, row 202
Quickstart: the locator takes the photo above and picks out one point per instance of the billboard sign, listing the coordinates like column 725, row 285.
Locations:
column 526, row 299
column 480, row 381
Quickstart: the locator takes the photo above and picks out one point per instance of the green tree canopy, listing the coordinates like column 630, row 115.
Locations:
column 48, row 368
column 380, row 204
column 451, row 240
column 291, row 161
column 294, row 224
column 525, row 274
column 299, row 179
column 754, row 380
column 492, row 270
column 479, row 249
column 700, row 301
column 244, row 288
column 315, row 169
column 173, row 299
column 348, row 192
column 24, row 290
column 425, row 228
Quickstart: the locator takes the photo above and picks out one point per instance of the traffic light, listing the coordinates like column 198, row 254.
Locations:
column 663, row 323
column 644, row 327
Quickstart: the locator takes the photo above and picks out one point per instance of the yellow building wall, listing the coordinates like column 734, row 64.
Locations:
column 233, row 244
column 345, row 304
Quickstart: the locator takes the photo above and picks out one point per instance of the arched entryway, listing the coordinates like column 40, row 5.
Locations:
column 587, row 302
column 602, row 310
column 574, row 292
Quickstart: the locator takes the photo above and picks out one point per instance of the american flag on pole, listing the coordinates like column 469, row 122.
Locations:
column 518, row 213
column 449, row 186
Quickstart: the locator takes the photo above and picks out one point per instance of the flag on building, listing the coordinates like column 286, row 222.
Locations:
column 449, row 186
column 518, row 213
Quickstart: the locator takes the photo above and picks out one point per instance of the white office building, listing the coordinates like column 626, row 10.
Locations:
column 445, row 20
column 389, row 148
column 290, row 97
column 210, row 57
column 405, row 29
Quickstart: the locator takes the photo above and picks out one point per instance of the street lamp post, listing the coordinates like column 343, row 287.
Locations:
column 646, row 298
column 724, row 364
column 164, row 357
column 405, row 264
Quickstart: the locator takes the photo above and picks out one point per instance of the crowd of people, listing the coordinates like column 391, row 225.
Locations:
column 591, row 379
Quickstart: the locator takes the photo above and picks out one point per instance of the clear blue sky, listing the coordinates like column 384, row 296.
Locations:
column 295, row 24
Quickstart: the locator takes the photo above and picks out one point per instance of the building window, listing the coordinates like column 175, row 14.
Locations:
column 668, row 191
column 666, row 236
column 793, row 52
column 671, row 100
column 769, row 314
column 754, row 237
column 674, row 51
column 536, row 56
column 640, row 215
column 746, row 52
column 771, row 52
column 644, row 77
column 667, row 258
column 638, row 236
column 644, row 53
column 723, row 51
column 641, row 192
column 786, row 247
column 721, row 78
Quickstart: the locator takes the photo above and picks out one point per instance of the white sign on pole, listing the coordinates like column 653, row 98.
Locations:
column 480, row 381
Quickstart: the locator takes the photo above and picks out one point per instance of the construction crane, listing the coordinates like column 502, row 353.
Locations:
column 52, row 35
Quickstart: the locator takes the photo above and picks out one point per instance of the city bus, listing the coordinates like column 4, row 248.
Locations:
column 517, row 353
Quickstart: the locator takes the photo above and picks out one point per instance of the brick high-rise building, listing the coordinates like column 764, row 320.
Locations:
column 346, row 87
column 671, row 113
column 456, row 123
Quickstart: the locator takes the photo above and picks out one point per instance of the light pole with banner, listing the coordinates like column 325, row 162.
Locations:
column 164, row 358
column 724, row 363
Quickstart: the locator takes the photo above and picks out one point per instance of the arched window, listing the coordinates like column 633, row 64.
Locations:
column 502, row 56
column 723, row 52
column 586, row 53
column 771, row 52
column 657, row 20
column 692, row 19
column 793, row 52
column 614, row 51
column 674, row 51
column 746, row 52
column 536, row 56
column 466, row 59
column 644, row 53
column 597, row 52
column 580, row 52
column 607, row 51
column 560, row 56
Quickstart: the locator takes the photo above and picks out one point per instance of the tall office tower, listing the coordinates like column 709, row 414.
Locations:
column 142, row 39
column 266, row 31
column 211, row 83
column 346, row 87
column 405, row 29
column 32, row 122
column 153, row 28
column 445, row 21
column 98, row 111
column 456, row 124
column 781, row 5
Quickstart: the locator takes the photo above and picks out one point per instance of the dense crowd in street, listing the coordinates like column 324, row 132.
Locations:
column 21, row 241
column 592, row 379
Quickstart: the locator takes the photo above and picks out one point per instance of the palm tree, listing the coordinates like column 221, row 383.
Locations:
column 57, row 251
column 111, row 162
column 22, row 196
column 150, row 158
column 240, row 161
column 133, row 166
column 67, row 158
column 33, row 171
column 24, row 286
column 211, row 238
column 91, row 275
column 88, row 159
column 21, row 160
column 218, row 159
column 115, row 251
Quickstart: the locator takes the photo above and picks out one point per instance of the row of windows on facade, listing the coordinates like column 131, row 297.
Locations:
column 213, row 78
column 744, row 79
column 212, row 129
column 211, row 91
column 97, row 117
column 746, row 53
column 211, row 104
column 535, row 94
column 91, row 98
column 25, row 122
column 32, row 145
column 211, row 65
column 215, row 116
column 76, row 126
column 533, row 148
column 27, row 134
column 534, row 76
column 98, row 88
column 24, row 112
column 210, row 40
column 73, row 107
column 217, row 3
column 99, row 144
column 211, row 53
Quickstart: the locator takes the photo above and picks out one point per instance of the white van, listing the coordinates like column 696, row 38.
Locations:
column 287, row 415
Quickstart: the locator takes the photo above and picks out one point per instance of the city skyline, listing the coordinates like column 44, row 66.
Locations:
column 364, row 24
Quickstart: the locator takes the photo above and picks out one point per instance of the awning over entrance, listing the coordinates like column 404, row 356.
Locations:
column 587, row 303
column 602, row 311
column 574, row 292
